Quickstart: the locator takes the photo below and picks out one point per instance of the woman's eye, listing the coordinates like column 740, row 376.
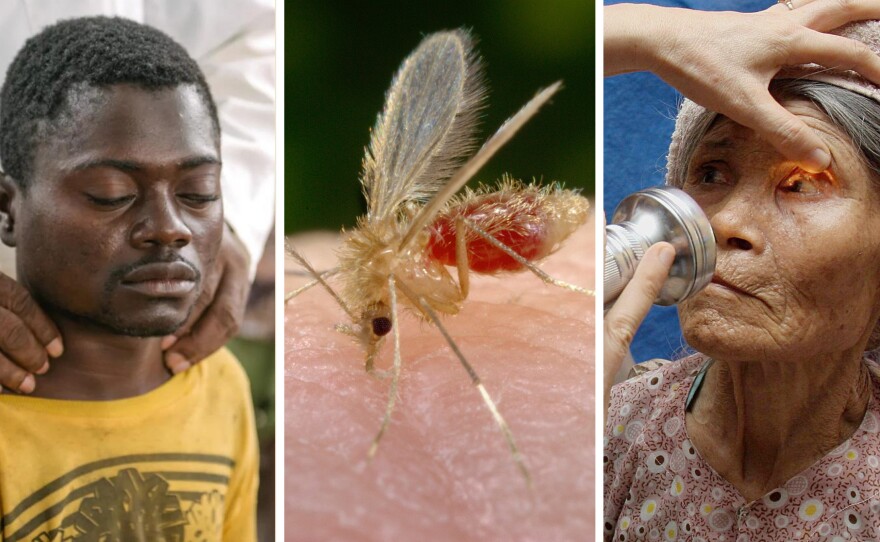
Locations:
column 801, row 184
column 709, row 174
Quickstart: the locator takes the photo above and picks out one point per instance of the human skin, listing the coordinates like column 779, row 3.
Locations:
column 218, row 312
column 725, row 61
column 128, row 207
column 29, row 338
column 622, row 320
column 793, row 303
column 443, row 471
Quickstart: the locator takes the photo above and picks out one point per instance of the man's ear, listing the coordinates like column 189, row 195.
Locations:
column 9, row 197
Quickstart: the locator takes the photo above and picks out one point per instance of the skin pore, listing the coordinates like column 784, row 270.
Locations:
column 115, row 231
column 443, row 471
column 792, row 306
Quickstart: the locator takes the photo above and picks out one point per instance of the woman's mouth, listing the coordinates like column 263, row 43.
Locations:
column 727, row 285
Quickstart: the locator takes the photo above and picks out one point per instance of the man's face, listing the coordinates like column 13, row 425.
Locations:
column 123, row 215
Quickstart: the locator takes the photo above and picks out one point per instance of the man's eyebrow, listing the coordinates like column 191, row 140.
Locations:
column 131, row 166
column 124, row 165
column 196, row 161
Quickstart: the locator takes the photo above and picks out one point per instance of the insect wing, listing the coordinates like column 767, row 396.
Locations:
column 472, row 166
column 426, row 128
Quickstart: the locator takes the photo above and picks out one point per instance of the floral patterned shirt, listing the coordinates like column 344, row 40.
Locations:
column 658, row 487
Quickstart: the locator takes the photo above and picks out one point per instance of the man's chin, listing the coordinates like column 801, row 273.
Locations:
column 151, row 328
column 156, row 323
column 144, row 331
column 141, row 324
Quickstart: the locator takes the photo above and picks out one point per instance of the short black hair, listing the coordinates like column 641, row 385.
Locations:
column 81, row 53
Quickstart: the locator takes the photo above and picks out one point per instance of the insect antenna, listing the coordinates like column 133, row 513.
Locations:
column 477, row 161
column 319, row 279
column 540, row 273
column 395, row 370
column 475, row 380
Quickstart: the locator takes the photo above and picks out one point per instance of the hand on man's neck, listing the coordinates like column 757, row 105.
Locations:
column 100, row 365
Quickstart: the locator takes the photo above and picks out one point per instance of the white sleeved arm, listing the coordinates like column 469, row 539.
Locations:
column 241, row 74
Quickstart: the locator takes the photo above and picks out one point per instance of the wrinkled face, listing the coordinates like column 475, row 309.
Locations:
column 123, row 216
column 798, row 270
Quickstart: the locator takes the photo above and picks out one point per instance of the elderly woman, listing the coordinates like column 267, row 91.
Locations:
column 770, row 431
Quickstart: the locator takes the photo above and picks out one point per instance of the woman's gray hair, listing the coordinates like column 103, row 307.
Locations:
column 856, row 115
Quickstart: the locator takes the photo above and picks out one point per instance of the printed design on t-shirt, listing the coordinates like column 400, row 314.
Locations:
column 150, row 497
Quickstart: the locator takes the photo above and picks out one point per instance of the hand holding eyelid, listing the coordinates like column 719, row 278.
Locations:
column 728, row 66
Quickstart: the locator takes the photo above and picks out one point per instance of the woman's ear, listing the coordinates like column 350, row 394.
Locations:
column 9, row 196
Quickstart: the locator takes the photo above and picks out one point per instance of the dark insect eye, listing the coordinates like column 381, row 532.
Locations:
column 381, row 326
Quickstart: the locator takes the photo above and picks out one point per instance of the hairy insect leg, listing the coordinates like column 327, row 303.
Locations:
column 522, row 261
column 461, row 258
column 373, row 346
column 326, row 274
column 370, row 361
column 395, row 370
column 372, row 349
column 475, row 380
column 319, row 279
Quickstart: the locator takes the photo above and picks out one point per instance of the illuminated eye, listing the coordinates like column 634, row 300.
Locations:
column 801, row 183
column 381, row 326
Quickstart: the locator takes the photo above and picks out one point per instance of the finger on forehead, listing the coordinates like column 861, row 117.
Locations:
column 17, row 300
column 837, row 52
column 787, row 133
column 825, row 15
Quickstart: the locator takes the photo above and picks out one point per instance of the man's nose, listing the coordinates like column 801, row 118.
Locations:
column 160, row 224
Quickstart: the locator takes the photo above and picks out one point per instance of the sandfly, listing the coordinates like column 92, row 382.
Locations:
column 417, row 222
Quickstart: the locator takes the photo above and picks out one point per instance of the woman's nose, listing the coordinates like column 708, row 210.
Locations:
column 160, row 224
column 736, row 223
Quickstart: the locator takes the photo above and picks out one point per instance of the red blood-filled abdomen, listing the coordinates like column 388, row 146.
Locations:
column 514, row 219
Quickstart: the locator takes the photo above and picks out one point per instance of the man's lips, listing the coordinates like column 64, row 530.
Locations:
column 171, row 279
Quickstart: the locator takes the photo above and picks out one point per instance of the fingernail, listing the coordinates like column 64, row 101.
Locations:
column 177, row 363
column 44, row 369
column 55, row 348
column 28, row 384
column 168, row 341
column 817, row 161
column 667, row 254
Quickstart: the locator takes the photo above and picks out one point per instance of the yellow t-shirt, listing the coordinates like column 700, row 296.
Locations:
column 176, row 464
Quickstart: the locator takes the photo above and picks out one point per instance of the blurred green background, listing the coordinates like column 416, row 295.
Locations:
column 339, row 60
